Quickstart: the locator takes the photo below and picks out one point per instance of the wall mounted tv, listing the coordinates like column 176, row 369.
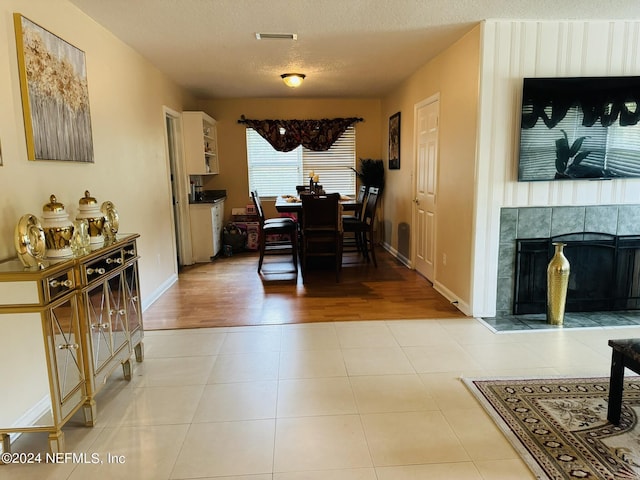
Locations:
column 580, row 128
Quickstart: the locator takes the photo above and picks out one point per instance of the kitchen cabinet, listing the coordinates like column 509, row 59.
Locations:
column 206, row 230
column 64, row 329
column 200, row 143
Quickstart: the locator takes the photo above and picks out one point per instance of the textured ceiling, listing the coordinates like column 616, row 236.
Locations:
column 347, row 48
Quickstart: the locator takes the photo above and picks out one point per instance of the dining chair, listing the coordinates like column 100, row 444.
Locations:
column 352, row 241
column 277, row 235
column 305, row 188
column 321, row 230
column 360, row 197
column 363, row 228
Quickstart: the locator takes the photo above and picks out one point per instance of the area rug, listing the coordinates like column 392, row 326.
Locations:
column 559, row 426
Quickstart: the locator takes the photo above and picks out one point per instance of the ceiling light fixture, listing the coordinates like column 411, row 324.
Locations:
column 276, row 36
column 293, row 80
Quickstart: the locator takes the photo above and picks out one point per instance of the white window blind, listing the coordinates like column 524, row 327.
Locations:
column 274, row 173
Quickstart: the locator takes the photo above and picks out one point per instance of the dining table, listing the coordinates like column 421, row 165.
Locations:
column 293, row 204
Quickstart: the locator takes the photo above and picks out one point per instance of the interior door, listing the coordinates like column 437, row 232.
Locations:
column 426, row 138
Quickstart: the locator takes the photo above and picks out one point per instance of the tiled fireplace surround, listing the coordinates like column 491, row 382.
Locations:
column 545, row 222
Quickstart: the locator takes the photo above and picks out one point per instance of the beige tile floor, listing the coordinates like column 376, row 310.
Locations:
column 342, row 401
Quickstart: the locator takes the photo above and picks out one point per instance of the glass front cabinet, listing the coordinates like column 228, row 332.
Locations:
column 64, row 329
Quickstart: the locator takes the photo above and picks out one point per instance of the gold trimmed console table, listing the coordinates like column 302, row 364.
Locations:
column 64, row 329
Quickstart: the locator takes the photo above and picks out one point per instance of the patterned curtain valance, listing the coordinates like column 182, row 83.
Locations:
column 286, row 135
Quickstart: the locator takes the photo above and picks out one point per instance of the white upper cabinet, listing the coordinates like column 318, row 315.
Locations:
column 200, row 143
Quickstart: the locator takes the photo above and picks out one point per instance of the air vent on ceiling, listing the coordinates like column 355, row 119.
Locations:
column 277, row 36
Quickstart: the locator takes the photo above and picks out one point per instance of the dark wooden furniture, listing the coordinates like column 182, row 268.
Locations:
column 360, row 198
column 353, row 240
column 321, row 230
column 305, row 188
column 276, row 234
column 283, row 205
column 625, row 354
column 363, row 228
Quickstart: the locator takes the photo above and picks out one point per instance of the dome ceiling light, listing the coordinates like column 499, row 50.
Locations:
column 276, row 36
column 293, row 80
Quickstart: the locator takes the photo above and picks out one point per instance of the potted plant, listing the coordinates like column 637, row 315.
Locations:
column 371, row 173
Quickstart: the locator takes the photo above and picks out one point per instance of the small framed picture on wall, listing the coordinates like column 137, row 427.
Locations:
column 394, row 141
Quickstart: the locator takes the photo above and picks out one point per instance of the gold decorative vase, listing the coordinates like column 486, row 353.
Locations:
column 557, row 282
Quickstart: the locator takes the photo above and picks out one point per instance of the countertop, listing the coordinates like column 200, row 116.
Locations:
column 210, row 196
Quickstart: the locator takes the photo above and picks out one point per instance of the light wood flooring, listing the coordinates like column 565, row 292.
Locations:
column 229, row 292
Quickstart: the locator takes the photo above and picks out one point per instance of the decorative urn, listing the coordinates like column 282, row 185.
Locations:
column 58, row 229
column 89, row 210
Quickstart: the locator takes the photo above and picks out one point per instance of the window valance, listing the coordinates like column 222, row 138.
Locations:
column 287, row 135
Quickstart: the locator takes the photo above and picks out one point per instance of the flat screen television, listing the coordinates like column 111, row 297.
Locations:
column 575, row 128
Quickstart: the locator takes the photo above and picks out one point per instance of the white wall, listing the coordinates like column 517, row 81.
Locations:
column 511, row 51
column 126, row 97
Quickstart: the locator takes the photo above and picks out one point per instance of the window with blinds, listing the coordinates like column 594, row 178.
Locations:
column 615, row 149
column 274, row 173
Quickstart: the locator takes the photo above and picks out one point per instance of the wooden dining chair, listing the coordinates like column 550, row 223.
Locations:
column 352, row 240
column 321, row 230
column 305, row 188
column 277, row 235
column 360, row 198
column 363, row 228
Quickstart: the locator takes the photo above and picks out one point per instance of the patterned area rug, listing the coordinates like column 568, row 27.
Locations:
column 559, row 426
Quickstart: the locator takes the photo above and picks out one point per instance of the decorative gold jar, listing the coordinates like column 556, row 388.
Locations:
column 58, row 229
column 89, row 210
column 557, row 282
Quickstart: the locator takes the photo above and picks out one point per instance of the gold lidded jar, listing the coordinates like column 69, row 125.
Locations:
column 89, row 210
column 58, row 229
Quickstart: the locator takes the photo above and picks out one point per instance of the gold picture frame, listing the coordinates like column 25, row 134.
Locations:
column 55, row 95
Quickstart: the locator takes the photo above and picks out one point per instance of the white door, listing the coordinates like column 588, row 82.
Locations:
column 426, row 147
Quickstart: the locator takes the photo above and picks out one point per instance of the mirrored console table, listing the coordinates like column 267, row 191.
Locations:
column 64, row 329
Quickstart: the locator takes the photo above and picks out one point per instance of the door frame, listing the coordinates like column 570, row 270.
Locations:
column 178, row 188
column 414, row 210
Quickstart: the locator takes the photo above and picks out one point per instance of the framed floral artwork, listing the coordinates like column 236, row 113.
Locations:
column 55, row 95
column 394, row 141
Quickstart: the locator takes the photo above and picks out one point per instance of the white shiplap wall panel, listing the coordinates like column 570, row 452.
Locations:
column 482, row 244
column 548, row 55
column 510, row 51
column 617, row 52
column 596, row 50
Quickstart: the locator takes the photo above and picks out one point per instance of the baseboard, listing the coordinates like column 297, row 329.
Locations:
column 147, row 302
column 449, row 295
column 441, row 289
column 401, row 258
column 31, row 417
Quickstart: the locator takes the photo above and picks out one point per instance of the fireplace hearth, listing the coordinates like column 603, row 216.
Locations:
column 605, row 272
